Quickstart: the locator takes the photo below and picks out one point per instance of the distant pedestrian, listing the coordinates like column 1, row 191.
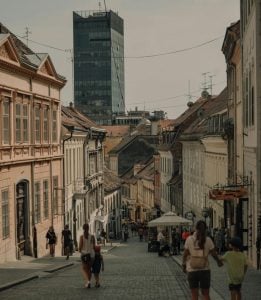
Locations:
column 185, row 234
column 218, row 240
column 103, row 237
column 126, row 233
column 98, row 265
column 86, row 248
column 236, row 262
column 195, row 261
column 51, row 240
column 145, row 234
column 140, row 233
column 133, row 229
column 66, row 241
column 111, row 236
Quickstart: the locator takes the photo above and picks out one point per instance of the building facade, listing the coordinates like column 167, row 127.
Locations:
column 98, row 39
column 30, row 149
column 251, row 91
column 83, row 172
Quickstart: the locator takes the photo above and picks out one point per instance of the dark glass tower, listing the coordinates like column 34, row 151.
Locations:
column 98, row 42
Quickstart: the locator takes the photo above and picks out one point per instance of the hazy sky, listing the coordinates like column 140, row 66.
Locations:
column 151, row 27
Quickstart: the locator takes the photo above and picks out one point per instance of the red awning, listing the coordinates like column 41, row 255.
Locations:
column 222, row 194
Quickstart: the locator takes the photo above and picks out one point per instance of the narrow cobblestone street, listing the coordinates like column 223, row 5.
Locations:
column 131, row 272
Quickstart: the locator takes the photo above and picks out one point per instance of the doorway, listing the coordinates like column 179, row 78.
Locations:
column 22, row 219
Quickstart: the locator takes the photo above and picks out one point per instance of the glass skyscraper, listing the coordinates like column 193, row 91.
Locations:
column 98, row 41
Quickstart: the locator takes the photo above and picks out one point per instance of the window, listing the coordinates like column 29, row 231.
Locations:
column 55, row 195
column 252, row 111
column 249, row 100
column 6, row 122
column 18, row 123
column 92, row 164
column 46, row 198
column 21, row 123
column 37, row 124
column 5, row 215
column 45, row 125
column 25, row 128
column 54, row 126
column 37, row 203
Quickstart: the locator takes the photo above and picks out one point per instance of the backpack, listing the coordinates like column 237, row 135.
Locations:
column 198, row 262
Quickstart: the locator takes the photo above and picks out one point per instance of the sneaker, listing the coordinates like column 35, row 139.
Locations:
column 87, row 285
column 97, row 285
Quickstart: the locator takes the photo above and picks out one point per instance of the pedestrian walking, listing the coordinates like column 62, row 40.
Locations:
column 98, row 265
column 140, row 232
column 51, row 240
column 126, row 233
column 218, row 240
column 111, row 236
column 66, row 241
column 195, row 261
column 103, row 237
column 86, row 248
column 236, row 263
column 145, row 234
column 185, row 234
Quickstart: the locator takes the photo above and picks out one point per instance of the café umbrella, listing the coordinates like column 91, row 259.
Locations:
column 169, row 219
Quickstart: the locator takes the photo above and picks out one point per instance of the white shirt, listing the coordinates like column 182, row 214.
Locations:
column 192, row 245
column 87, row 246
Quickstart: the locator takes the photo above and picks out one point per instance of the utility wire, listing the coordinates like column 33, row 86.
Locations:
column 45, row 45
column 173, row 97
column 134, row 57
column 177, row 51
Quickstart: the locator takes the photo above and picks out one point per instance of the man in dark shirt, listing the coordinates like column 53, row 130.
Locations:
column 66, row 241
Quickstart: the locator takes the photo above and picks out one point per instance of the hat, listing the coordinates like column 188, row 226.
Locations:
column 97, row 248
column 236, row 242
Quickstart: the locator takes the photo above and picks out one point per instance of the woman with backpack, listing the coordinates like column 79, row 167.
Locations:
column 195, row 261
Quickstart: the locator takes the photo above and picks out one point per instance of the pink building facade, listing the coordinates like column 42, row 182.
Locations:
column 30, row 150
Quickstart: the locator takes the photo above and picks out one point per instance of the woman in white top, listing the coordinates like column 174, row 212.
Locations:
column 195, row 261
column 86, row 248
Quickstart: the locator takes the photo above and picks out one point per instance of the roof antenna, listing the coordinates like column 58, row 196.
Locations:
column 190, row 103
column 27, row 32
column 204, row 93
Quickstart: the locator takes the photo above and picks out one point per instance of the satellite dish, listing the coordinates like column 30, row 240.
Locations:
column 189, row 104
column 204, row 94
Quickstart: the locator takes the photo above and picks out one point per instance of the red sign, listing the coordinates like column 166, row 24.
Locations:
column 221, row 194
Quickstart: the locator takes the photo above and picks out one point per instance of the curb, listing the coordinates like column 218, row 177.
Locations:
column 59, row 268
column 31, row 277
column 213, row 294
column 16, row 282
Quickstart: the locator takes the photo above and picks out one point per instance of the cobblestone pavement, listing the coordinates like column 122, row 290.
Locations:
column 219, row 283
column 130, row 273
column 250, row 288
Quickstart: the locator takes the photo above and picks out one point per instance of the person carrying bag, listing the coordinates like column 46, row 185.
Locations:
column 86, row 248
column 195, row 261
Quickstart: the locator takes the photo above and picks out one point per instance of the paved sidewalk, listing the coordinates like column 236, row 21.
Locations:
column 28, row 268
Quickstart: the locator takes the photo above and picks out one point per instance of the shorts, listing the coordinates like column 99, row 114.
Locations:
column 199, row 279
column 234, row 287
